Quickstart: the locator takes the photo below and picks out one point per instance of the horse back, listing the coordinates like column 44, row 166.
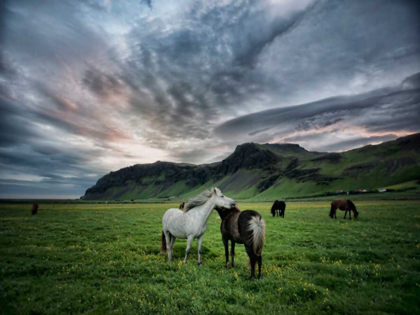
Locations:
column 174, row 221
column 282, row 205
column 171, row 214
column 343, row 205
column 278, row 205
column 34, row 208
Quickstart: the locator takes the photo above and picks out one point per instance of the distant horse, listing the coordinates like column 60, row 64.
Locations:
column 344, row 205
column 181, row 205
column 243, row 227
column 278, row 208
column 192, row 222
column 35, row 208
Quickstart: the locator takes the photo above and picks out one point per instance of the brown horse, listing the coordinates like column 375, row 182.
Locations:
column 278, row 208
column 181, row 205
column 243, row 227
column 35, row 208
column 344, row 205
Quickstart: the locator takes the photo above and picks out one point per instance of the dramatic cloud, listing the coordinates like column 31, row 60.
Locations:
column 91, row 86
column 334, row 124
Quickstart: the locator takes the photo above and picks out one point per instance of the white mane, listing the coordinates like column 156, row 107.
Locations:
column 199, row 200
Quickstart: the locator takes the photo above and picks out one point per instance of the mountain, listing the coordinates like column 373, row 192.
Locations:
column 266, row 171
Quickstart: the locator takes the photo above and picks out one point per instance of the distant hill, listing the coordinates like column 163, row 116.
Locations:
column 269, row 171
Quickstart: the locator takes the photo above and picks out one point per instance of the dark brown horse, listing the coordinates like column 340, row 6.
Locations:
column 181, row 205
column 243, row 227
column 35, row 208
column 278, row 208
column 344, row 205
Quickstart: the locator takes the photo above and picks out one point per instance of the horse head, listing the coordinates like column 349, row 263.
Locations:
column 221, row 201
column 356, row 214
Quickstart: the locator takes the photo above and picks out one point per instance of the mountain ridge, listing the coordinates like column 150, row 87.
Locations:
column 263, row 171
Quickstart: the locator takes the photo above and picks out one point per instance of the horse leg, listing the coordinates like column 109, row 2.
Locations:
column 168, row 244
column 335, row 214
column 200, row 240
column 187, row 251
column 171, row 244
column 259, row 266
column 345, row 214
column 226, row 243
column 232, row 252
column 253, row 259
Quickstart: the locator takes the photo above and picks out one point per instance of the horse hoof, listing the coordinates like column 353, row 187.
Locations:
column 200, row 264
column 227, row 267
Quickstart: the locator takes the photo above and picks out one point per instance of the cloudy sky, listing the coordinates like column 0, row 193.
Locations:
column 91, row 86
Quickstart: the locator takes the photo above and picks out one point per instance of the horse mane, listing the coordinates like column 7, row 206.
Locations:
column 353, row 207
column 198, row 200
column 274, row 205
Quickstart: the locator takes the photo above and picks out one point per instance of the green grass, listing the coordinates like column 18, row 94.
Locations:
column 104, row 258
column 409, row 184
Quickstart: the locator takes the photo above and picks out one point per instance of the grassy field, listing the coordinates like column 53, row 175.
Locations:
column 104, row 258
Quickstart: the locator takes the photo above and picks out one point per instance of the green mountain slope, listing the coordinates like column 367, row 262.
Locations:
column 270, row 171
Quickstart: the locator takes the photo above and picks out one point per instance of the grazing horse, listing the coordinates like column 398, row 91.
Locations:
column 243, row 227
column 35, row 208
column 278, row 208
column 192, row 222
column 181, row 205
column 344, row 205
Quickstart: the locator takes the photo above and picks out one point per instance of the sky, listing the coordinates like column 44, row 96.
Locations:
column 92, row 86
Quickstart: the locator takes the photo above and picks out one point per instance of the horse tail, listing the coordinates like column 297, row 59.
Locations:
column 163, row 243
column 257, row 226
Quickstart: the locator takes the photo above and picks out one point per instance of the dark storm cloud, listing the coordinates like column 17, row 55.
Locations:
column 100, row 83
column 45, row 162
column 219, row 63
column 355, row 143
column 14, row 129
column 338, row 145
column 187, row 76
column 48, row 187
column 91, row 86
column 381, row 111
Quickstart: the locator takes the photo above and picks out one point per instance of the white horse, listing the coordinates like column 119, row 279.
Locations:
column 192, row 222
